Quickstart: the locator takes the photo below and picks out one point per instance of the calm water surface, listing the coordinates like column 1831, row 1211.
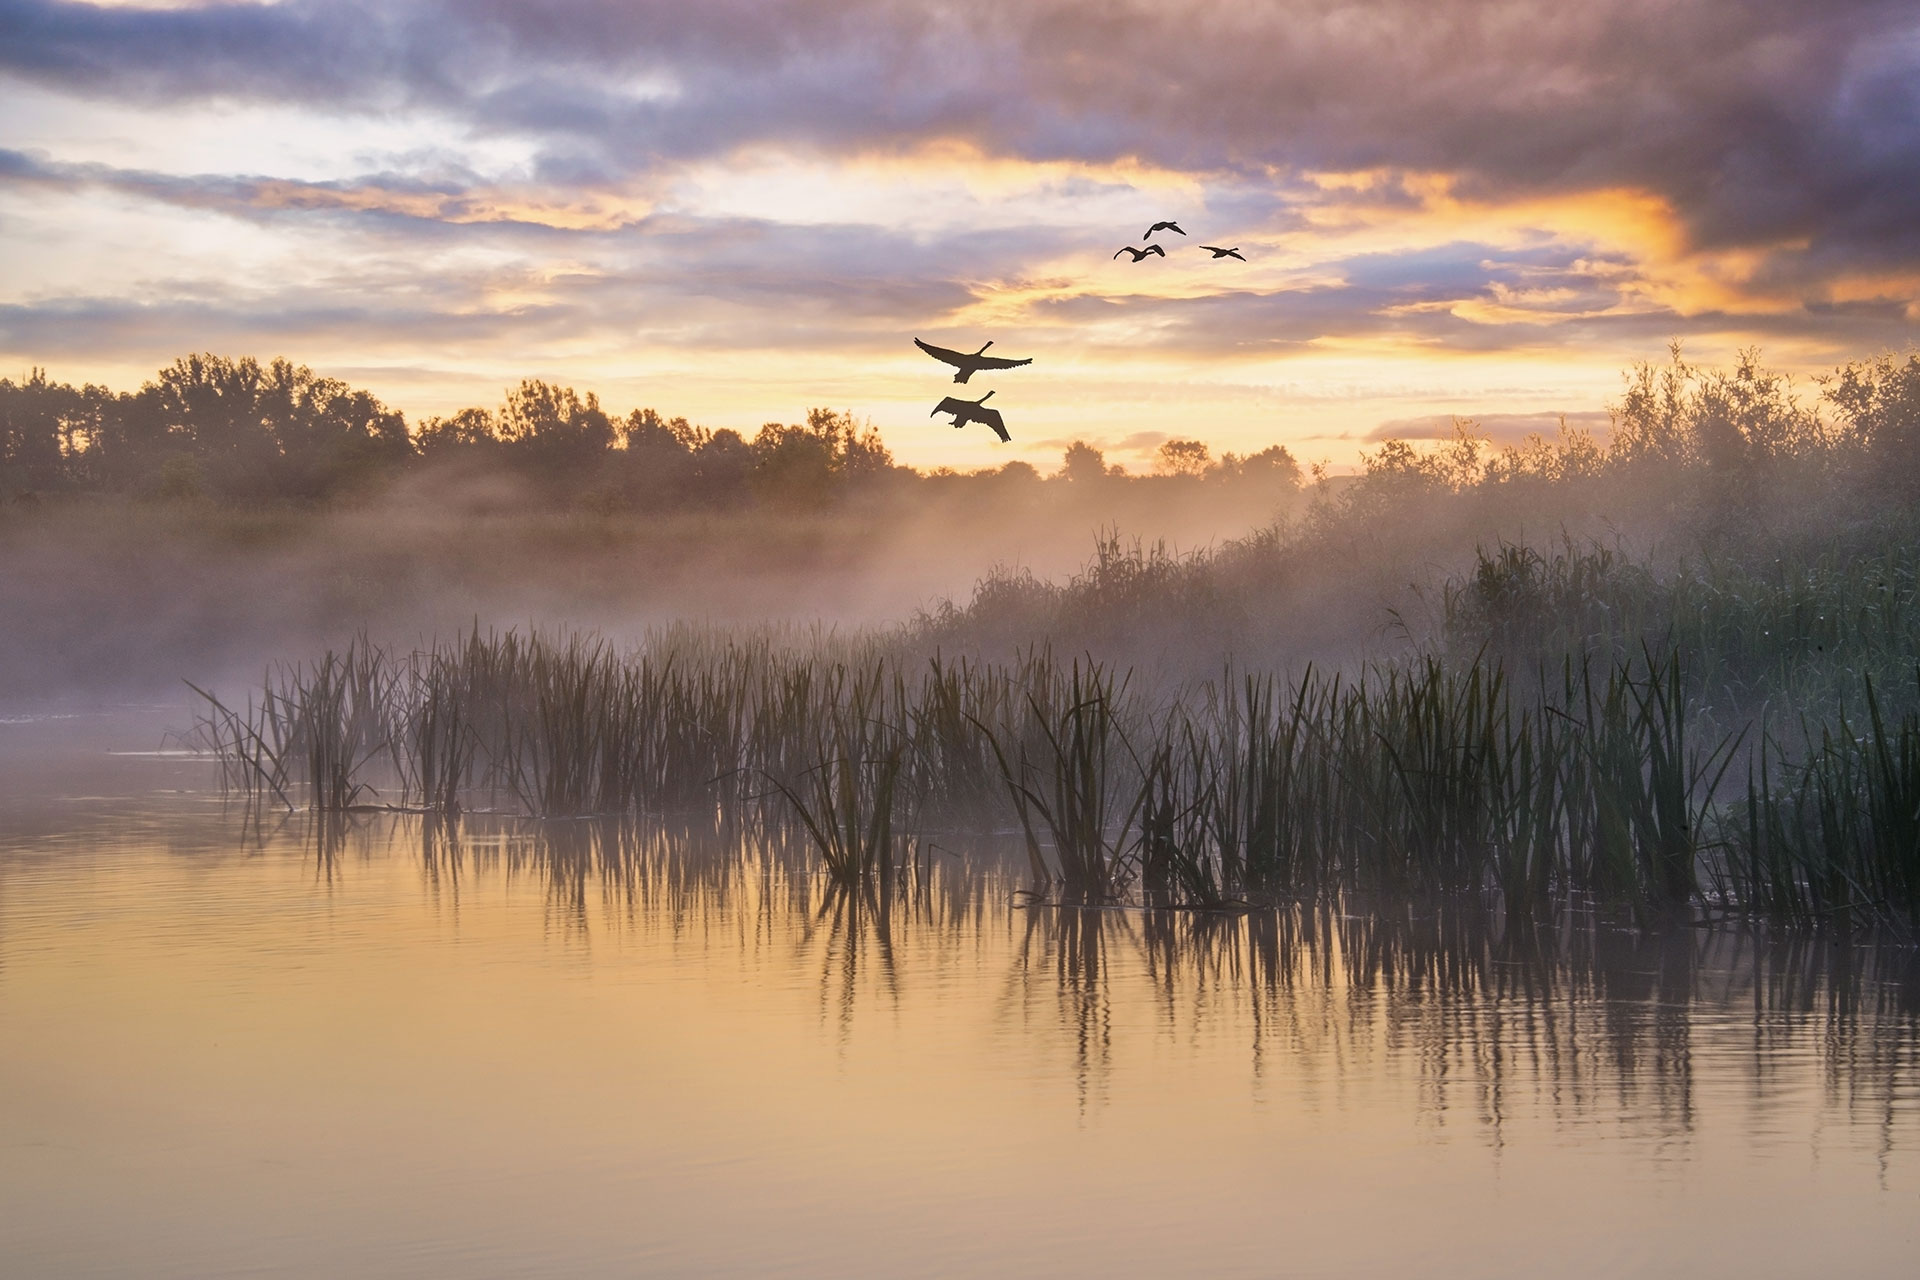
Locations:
column 585, row 1051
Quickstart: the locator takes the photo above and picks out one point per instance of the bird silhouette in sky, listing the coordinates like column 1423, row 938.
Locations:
column 969, row 364
column 1162, row 226
column 1141, row 253
column 965, row 411
column 1223, row 253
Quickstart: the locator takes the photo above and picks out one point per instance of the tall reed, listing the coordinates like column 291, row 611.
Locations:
column 1427, row 777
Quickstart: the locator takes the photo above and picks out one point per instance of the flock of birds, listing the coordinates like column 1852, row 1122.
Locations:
column 969, row 363
column 1154, row 250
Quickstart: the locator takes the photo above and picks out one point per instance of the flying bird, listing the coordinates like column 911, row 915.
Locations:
column 969, row 364
column 965, row 411
column 1162, row 226
column 1223, row 253
column 1141, row 253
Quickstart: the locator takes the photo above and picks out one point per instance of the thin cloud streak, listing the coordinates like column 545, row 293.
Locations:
column 1425, row 186
column 1762, row 121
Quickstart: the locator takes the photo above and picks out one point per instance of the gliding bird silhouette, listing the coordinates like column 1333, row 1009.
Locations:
column 1162, row 226
column 1141, row 253
column 1223, row 253
column 969, row 364
column 965, row 411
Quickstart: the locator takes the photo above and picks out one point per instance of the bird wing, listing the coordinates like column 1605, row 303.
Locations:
column 951, row 405
column 1235, row 253
column 953, row 358
column 1154, row 248
column 1117, row 253
column 998, row 362
column 1174, row 226
column 992, row 418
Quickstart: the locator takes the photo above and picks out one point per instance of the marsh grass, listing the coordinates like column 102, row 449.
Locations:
column 1063, row 776
column 847, row 798
column 1425, row 778
column 1832, row 834
column 1801, row 628
column 314, row 728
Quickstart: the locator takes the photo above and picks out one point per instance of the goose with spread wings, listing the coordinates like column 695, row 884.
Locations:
column 1223, row 253
column 1141, row 253
column 969, row 363
column 965, row 411
column 1162, row 226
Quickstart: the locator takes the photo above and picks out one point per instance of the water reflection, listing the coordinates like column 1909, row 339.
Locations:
column 625, row 1048
column 1063, row 954
column 1578, row 1020
column 1581, row 1019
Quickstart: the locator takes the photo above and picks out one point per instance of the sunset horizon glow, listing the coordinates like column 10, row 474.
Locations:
column 736, row 211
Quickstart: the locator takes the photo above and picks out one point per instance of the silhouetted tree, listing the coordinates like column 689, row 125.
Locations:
column 1272, row 466
column 553, row 429
column 46, row 429
column 1727, row 422
column 722, row 468
column 252, row 431
column 1182, row 458
column 808, row 463
column 646, row 430
column 1685, row 438
column 1082, row 463
column 467, row 430
column 1878, row 402
column 209, row 408
column 331, row 438
column 653, row 465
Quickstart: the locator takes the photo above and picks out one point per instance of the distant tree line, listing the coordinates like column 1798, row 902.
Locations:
column 1710, row 438
column 207, row 427
column 212, row 428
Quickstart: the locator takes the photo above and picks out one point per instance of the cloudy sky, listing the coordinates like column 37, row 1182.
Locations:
column 736, row 209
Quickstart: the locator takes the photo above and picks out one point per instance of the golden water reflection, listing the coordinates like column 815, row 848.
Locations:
column 584, row 1047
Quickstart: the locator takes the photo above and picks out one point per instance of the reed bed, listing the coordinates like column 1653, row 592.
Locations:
column 1802, row 628
column 1431, row 777
column 1833, row 835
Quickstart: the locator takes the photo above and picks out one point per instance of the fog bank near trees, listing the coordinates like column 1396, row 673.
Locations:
column 230, row 513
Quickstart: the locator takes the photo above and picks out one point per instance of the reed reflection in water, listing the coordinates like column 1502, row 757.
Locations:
column 1585, row 1018
column 601, row 1047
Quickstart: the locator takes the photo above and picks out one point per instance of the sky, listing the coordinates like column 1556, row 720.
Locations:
column 735, row 210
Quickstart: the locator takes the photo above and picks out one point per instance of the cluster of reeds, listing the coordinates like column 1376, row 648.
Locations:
column 1833, row 835
column 848, row 797
column 1800, row 629
column 315, row 729
column 1430, row 777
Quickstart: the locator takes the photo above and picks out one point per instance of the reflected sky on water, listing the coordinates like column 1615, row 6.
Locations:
column 511, row 1048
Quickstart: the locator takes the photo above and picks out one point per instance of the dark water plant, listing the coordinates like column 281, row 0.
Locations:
column 847, row 800
column 314, row 729
column 1834, row 835
column 1402, row 781
column 1062, row 774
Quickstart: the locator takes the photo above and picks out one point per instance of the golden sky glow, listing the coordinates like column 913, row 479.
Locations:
column 740, row 210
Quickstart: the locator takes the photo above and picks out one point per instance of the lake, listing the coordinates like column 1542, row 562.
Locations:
column 235, row 1045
